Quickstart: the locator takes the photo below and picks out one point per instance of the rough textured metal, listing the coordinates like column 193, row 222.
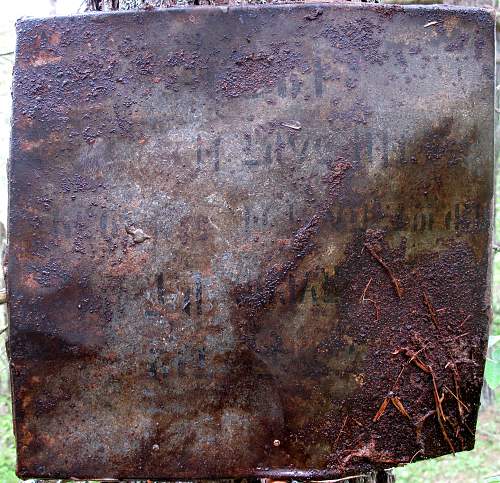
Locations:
column 249, row 241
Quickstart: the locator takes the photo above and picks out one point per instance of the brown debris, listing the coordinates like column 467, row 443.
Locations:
column 415, row 359
column 442, row 418
column 369, row 452
column 456, row 376
column 405, row 365
column 440, row 413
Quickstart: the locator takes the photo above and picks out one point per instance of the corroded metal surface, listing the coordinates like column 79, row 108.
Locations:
column 249, row 241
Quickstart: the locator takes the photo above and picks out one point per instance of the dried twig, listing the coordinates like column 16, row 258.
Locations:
column 440, row 413
column 362, row 298
column 413, row 457
column 420, row 423
column 357, row 422
column 399, row 406
column 377, row 308
column 405, row 350
column 456, row 380
column 381, row 410
column 340, row 432
column 441, row 416
column 465, row 320
column 292, row 125
column 468, row 428
column 394, row 280
column 460, row 402
column 432, row 311
column 415, row 359
column 396, row 403
column 456, row 376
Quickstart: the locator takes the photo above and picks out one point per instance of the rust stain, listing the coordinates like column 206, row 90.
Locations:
column 44, row 58
column 55, row 38
column 30, row 145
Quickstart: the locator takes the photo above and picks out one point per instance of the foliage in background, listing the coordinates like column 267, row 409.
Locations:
column 492, row 369
column 7, row 451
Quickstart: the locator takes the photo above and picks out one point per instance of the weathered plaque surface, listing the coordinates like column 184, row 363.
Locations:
column 250, row 241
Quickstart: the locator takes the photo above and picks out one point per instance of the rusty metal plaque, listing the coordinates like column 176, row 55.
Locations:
column 249, row 241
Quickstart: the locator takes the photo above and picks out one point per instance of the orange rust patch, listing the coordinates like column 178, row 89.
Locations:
column 44, row 58
column 30, row 282
column 26, row 401
column 55, row 38
column 134, row 263
column 31, row 145
column 24, row 122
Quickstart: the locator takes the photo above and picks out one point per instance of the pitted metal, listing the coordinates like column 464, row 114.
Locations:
column 249, row 241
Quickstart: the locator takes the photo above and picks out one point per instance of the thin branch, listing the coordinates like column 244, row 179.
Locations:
column 394, row 280
column 431, row 309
